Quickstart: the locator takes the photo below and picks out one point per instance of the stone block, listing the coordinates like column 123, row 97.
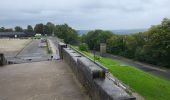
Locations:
column 107, row 90
column 60, row 48
column 92, row 69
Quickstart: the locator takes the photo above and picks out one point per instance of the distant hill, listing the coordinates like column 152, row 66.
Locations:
column 121, row 31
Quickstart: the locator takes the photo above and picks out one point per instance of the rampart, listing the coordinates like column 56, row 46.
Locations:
column 92, row 77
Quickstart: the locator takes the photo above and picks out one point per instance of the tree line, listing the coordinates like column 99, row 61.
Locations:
column 63, row 31
column 39, row 28
column 152, row 46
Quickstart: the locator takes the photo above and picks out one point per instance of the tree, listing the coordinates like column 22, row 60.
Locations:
column 2, row 29
column 152, row 46
column 116, row 45
column 18, row 29
column 132, row 43
column 51, row 27
column 9, row 30
column 157, row 47
column 29, row 28
column 67, row 33
column 46, row 30
column 94, row 38
column 39, row 28
column 83, row 47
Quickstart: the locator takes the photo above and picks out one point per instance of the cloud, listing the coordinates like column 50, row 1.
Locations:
column 85, row 14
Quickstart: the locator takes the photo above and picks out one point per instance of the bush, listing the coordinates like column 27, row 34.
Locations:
column 96, row 57
column 83, row 47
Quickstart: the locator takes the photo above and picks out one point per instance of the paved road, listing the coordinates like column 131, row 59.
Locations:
column 47, row 80
column 164, row 73
column 32, row 52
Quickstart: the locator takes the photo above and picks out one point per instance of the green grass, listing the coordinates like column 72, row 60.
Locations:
column 149, row 86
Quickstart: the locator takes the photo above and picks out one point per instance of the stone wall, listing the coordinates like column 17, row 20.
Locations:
column 60, row 48
column 92, row 77
column 3, row 61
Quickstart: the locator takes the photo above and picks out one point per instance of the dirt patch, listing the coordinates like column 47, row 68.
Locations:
column 12, row 46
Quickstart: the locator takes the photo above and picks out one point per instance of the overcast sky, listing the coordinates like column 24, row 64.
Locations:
column 85, row 14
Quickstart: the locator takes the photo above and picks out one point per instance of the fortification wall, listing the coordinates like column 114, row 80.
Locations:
column 3, row 61
column 92, row 77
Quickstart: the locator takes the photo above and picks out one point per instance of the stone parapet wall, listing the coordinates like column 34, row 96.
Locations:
column 3, row 61
column 92, row 77
column 60, row 48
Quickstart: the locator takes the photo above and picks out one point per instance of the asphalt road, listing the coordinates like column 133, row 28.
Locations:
column 32, row 52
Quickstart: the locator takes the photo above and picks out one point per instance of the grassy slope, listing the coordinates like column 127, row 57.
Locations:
column 149, row 86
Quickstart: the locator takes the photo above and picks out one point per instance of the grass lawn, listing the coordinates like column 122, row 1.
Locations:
column 149, row 86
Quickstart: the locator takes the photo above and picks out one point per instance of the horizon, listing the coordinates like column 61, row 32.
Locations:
column 81, row 29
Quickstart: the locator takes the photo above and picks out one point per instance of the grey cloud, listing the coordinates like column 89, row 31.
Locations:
column 111, row 7
column 85, row 14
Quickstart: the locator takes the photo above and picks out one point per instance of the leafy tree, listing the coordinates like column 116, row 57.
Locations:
column 18, row 29
column 51, row 28
column 9, row 30
column 29, row 28
column 152, row 46
column 83, row 47
column 94, row 38
column 67, row 33
column 157, row 47
column 46, row 30
column 116, row 44
column 132, row 43
column 39, row 28
column 2, row 29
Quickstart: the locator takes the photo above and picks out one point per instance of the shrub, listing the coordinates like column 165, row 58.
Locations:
column 83, row 47
column 96, row 57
